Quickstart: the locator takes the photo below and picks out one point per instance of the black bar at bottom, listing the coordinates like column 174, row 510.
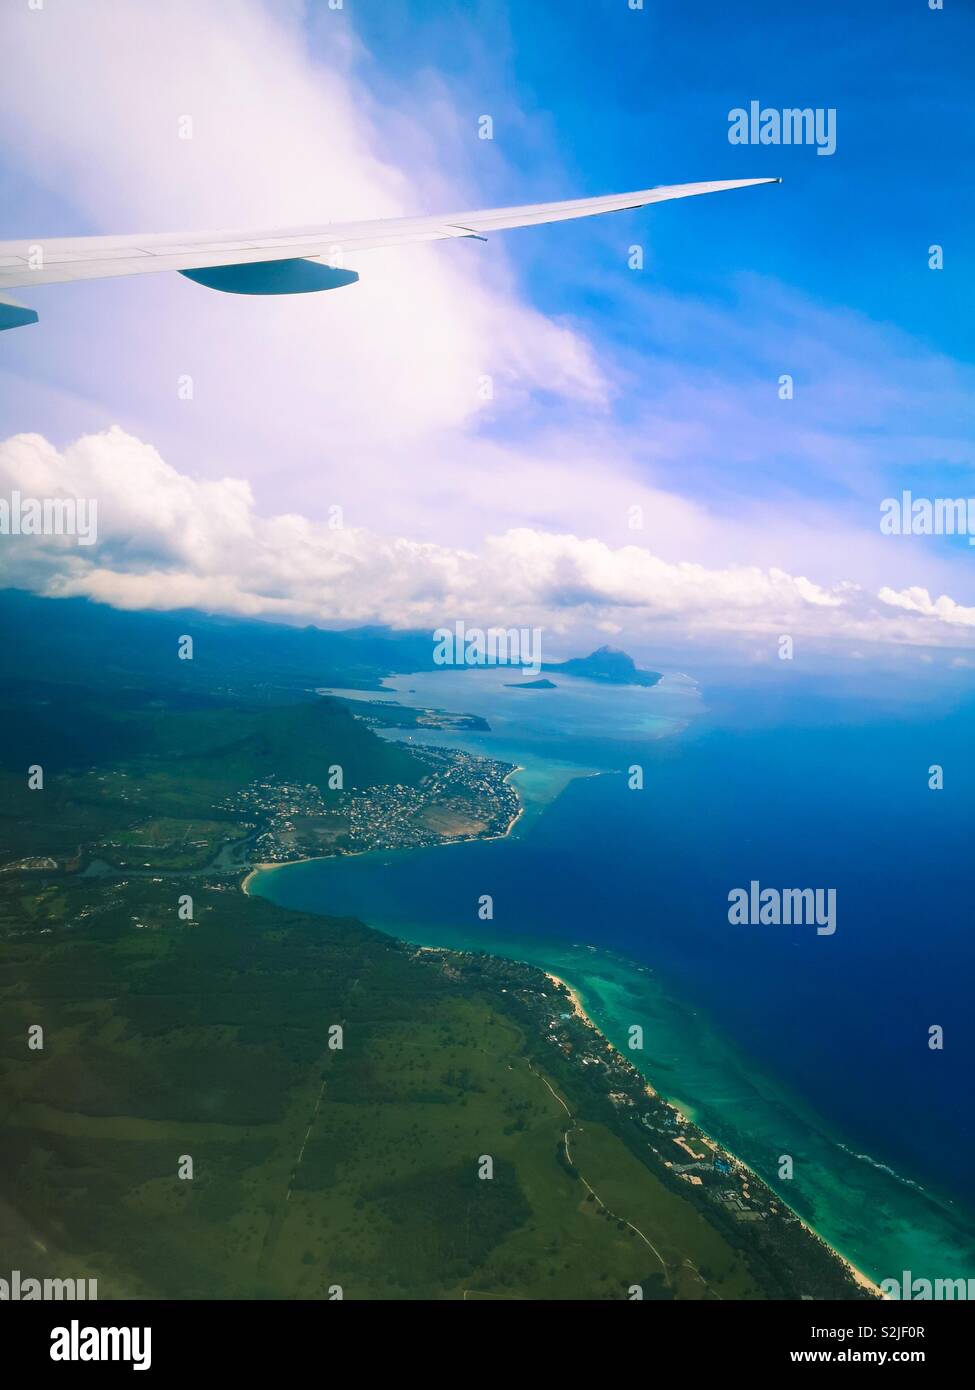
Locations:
column 291, row 1338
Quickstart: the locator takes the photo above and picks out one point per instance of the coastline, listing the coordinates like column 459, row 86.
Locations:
column 254, row 869
column 727, row 1088
column 574, row 994
column 579, row 1009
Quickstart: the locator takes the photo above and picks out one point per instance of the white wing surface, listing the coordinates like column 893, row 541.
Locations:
column 285, row 260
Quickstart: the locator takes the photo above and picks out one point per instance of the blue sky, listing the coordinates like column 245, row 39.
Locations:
column 618, row 99
column 611, row 388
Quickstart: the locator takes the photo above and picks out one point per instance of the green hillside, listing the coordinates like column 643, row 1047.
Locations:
column 312, row 1167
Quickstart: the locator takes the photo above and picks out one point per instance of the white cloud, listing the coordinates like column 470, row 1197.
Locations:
column 166, row 540
column 358, row 379
column 918, row 600
column 370, row 397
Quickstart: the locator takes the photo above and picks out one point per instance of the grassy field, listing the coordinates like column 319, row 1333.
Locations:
column 312, row 1167
column 187, row 1130
column 142, row 786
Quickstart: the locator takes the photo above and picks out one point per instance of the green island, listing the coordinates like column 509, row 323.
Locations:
column 232, row 1100
column 606, row 665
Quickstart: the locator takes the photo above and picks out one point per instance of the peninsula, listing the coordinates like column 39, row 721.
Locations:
column 182, row 1017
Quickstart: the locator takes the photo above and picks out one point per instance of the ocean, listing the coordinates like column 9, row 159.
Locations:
column 780, row 1041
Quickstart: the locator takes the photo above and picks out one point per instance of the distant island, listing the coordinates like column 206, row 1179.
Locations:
column 542, row 684
column 158, row 790
column 606, row 665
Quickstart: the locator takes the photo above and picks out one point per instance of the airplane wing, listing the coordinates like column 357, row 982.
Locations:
column 292, row 260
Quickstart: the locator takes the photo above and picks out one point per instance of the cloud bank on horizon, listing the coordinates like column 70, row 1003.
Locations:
column 487, row 451
column 167, row 541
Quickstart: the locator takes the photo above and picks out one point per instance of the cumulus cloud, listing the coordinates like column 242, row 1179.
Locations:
column 478, row 447
column 166, row 540
column 918, row 600
column 281, row 134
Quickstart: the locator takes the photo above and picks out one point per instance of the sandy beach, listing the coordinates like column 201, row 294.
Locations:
column 259, row 868
column 858, row 1275
column 862, row 1279
column 579, row 1010
column 452, row 840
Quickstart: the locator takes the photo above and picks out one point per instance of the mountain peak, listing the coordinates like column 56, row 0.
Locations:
column 606, row 664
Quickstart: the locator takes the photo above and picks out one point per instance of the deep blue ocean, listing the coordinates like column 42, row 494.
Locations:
column 841, row 1022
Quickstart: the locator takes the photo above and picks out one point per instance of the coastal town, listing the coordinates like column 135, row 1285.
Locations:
column 463, row 796
column 249, row 804
column 729, row 1194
